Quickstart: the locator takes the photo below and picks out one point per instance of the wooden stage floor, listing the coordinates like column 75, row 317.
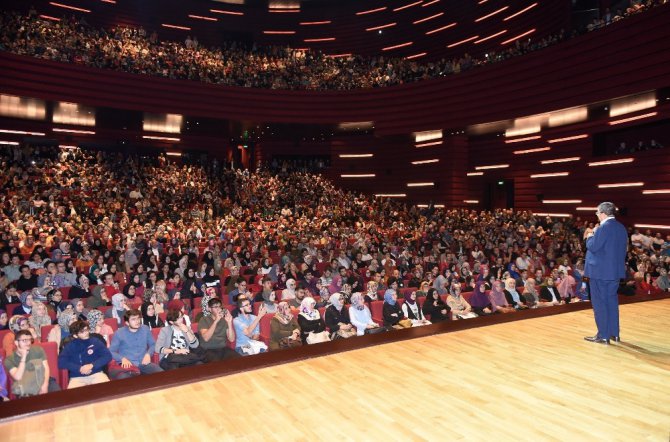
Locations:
column 535, row 379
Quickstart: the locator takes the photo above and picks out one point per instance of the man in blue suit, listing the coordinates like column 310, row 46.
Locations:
column 606, row 250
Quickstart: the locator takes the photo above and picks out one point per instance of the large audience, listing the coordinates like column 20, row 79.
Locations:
column 133, row 265
column 233, row 64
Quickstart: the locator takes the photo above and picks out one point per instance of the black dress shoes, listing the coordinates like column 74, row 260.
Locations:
column 597, row 339
column 615, row 338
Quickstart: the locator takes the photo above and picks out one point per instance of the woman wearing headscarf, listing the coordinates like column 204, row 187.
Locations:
column 309, row 319
column 82, row 289
column 337, row 317
column 412, row 311
column 62, row 329
column 15, row 324
column 371, row 294
column 210, row 292
column 132, row 297
column 4, row 320
column 284, row 328
column 97, row 325
column 530, row 293
column 136, row 282
column 189, row 288
column 79, row 309
column 360, row 316
column 119, row 308
column 289, row 292
column 460, row 308
column 269, row 301
column 211, row 279
column 434, row 306
column 424, row 286
column 149, row 316
column 567, row 286
column 26, row 306
column 391, row 310
column 39, row 318
column 55, row 301
column 498, row 299
column 512, row 295
column 479, row 301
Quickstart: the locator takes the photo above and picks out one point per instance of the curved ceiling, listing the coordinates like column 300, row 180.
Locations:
column 423, row 29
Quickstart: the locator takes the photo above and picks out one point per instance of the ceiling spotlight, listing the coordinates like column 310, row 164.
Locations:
column 379, row 32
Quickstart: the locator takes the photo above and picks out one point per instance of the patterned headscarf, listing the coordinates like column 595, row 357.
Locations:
column 307, row 309
column 15, row 322
column 94, row 317
column 39, row 321
column 283, row 313
column 65, row 318
column 210, row 293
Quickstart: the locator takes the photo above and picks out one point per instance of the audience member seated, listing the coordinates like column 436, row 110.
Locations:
column 337, row 318
column 361, row 318
column 663, row 281
column 132, row 348
column 16, row 324
column 96, row 322
column 312, row 327
column 79, row 309
column 61, row 331
column 247, row 329
column 82, row 289
column 284, row 328
column 39, row 318
column 435, row 307
column 119, row 308
column 177, row 345
column 480, row 301
column 149, row 316
column 411, row 310
column 269, row 302
column 391, row 312
column 530, row 294
column 26, row 307
column 84, row 357
column 29, row 368
column 512, row 296
column 549, row 293
column 216, row 330
column 460, row 308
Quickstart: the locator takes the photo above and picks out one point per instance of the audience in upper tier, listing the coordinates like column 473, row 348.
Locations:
column 133, row 50
column 328, row 264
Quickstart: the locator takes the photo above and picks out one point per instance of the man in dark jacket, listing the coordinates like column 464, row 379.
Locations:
column 84, row 357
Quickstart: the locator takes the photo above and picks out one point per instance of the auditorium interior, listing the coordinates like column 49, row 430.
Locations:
column 378, row 150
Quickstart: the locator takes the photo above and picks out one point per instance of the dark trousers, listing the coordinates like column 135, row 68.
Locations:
column 605, row 301
column 219, row 354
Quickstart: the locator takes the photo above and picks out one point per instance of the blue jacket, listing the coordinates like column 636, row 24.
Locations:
column 606, row 252
column 80, row 352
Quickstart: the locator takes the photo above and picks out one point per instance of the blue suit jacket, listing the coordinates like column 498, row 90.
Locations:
column 606, row 252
